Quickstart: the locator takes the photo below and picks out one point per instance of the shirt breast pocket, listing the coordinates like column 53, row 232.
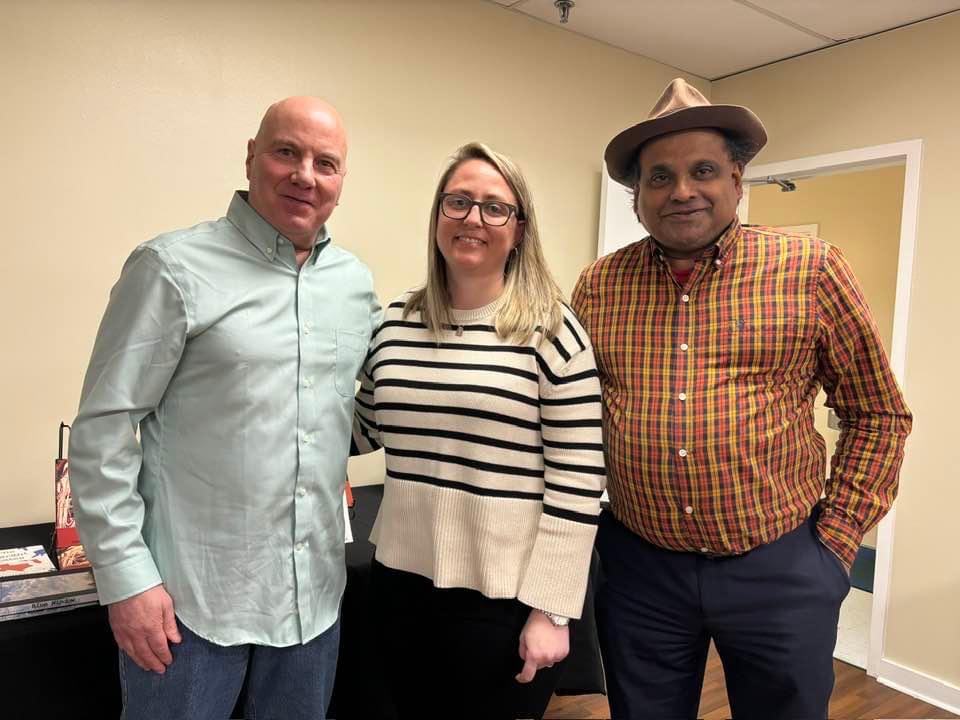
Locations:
column 351, row 349
column 765, row 345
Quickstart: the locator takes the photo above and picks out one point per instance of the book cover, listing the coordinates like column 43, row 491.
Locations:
column 24, row 561
column 17, row 590
column 46, row 606
column 70, row 553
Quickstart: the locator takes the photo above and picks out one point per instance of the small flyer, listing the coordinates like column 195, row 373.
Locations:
column 24, row 561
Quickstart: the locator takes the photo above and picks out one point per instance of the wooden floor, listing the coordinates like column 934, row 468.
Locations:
column 854, row 696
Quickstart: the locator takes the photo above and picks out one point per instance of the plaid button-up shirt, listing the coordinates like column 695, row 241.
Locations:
column 709, row 390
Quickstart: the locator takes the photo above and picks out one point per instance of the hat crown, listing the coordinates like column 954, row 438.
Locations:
column 681, row 107
column 678, row 95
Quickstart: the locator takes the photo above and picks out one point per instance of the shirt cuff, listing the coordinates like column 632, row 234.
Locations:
column 841, row 536
column 126, row 579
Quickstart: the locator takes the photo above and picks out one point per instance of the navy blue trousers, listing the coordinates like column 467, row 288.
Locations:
column 772, row 614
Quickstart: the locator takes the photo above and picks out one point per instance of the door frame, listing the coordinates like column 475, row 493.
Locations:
column 910, row 152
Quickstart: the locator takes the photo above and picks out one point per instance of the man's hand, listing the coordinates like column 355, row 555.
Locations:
column 142, row 625
column 541, row 645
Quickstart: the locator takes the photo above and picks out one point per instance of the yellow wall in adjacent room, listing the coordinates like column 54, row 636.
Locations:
column 859, row 212
column 121, row 120
column 898, row 86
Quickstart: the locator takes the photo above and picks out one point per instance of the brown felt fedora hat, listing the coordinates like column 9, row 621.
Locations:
column 680, row 107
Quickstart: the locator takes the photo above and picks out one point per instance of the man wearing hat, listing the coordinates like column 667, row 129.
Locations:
column 713, row 340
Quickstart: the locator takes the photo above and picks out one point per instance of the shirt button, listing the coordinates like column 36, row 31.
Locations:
column 306, row 328
column 269, row 251
column 682, row 452
column 682, row 396
column 684, row 347
column 299, row 546
column 308, row 382
column 301, row 492
column 685, row 298
column 704, row 550
column 688, row 510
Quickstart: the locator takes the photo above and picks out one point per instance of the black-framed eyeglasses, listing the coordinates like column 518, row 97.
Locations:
column 492, row 212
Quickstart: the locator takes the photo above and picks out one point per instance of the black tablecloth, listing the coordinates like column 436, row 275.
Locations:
column 65, row 665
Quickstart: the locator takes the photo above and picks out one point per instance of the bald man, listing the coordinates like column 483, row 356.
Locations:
column 233, row 346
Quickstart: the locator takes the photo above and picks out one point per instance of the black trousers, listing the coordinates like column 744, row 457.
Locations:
column 453, row 653
column 772, row 614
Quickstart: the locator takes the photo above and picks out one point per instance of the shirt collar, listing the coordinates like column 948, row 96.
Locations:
column 261, row 234
column 724, row 246
column 717, row 252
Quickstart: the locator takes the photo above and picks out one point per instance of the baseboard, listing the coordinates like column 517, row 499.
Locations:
column 919, row 685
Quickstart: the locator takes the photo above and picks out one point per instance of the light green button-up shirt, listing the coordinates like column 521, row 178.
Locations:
column 238, row 368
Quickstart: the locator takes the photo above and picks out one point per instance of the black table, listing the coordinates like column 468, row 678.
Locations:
column 65, row 665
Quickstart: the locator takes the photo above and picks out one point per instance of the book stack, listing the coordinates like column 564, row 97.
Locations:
column 30, row 585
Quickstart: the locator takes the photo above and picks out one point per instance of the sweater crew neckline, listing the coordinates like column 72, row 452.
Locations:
column 473, row 315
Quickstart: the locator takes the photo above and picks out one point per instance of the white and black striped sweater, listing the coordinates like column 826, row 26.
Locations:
column 494, row 456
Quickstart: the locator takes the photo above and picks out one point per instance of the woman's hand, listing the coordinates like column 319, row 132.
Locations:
column 541, row 645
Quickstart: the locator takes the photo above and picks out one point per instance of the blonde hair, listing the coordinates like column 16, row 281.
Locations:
column 531, row 297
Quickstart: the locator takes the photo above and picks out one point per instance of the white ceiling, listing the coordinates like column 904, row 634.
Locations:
column 717, row 38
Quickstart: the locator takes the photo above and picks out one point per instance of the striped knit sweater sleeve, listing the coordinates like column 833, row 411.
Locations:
column 494, row 462
column 574, row 476
column 366, row 435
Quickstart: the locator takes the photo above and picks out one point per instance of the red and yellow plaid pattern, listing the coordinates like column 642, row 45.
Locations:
column 709, row 390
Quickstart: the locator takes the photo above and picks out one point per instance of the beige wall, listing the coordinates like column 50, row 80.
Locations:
column 858, row 212
column 124, row 119
column 898, row 86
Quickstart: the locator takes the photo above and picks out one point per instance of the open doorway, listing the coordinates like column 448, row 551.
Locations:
column 859, row 212
column 865, row 202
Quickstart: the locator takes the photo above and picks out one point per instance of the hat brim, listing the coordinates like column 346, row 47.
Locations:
column 621, row 153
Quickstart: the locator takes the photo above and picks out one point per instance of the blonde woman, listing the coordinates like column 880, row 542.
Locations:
column 482, row 389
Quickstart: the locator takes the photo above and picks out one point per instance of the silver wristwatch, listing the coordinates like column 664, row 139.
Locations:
column 557, row 620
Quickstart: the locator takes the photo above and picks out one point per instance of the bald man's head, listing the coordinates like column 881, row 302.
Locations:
column 295, row 166
column 301, row 105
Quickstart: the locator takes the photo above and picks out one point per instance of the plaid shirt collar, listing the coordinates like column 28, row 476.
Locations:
column 719, row 251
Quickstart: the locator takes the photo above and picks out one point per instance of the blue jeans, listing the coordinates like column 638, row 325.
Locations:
column 205, row 679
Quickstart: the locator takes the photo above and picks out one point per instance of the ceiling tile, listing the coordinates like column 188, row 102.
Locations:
column 692, row 35
column 854, row 18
